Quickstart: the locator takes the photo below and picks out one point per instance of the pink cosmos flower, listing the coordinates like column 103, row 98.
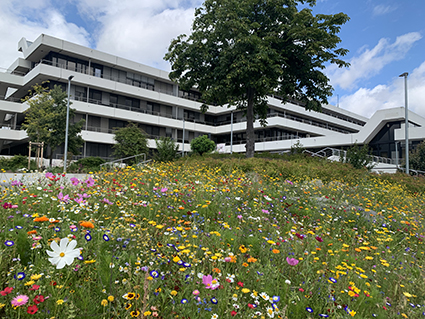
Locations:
column 74, row 181
column 195, row 292
column 292, row 261
column 19, row 300
column 89, row 182
column 164, row 190
column 63, row 198
column 49, row 175
column 210, row 283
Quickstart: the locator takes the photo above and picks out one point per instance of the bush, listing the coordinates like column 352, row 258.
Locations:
column 131, row 140
column 417, row 158
column 358, row 157
column 16, row 162
column 202, row 144
column 167, row 149
column 87, row 164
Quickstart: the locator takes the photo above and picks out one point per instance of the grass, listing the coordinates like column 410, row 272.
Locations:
column 217, row 238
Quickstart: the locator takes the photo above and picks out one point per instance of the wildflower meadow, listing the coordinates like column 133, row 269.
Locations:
column 213, row 239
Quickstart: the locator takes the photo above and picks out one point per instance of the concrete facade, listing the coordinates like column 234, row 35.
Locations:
column 108, row 91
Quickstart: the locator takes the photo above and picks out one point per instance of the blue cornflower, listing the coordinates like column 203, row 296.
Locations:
column 214, row 300
column 105, row 237
column 20, row 276
column 276, row 298
column 9, row 243
column 323, row 315
column 187, row 265
column 18, row 227
column 309, row 309
column 87, row 237
column 154, row 274
column 332, row 280
column 184, row 301
column 57, row 229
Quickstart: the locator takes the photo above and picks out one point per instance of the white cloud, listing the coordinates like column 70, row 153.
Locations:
column 30, row 18
column 370, row 62
column 367, row 101
column 140, row 30
column 382, row 9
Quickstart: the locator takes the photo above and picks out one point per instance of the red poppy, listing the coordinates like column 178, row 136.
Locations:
column 240, row 283
column 34, row 287
column 251, row 306
column 6, row 291
column 233, row 313
column 319, row 239
column 32, row 309
column 38, row 299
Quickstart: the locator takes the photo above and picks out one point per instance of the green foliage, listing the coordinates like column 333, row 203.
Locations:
column 242, row 51
column 131, row 140
column 202, row 144
column 297, row 148
column 359, row 157
column 16, row 162
column 167, row 149
column 87, row 164
column 45, row 119
column 417, row 158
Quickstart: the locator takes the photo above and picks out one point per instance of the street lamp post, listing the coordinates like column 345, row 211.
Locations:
column 67, row 125
column 406, row 120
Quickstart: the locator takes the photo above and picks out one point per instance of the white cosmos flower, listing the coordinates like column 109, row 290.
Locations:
column 64, row 253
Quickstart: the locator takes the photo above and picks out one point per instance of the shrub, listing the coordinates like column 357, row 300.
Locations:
column 166, row 149
column 359, row 157
column 202, row 144
column 87, row 164
column 16, row 162
column 417, row 157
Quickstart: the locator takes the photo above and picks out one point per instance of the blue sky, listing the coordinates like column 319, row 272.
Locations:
column 385, row 38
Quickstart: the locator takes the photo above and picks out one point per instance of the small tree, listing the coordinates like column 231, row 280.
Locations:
column 45, row 119
column 417, row 158
column 167, row 149
column 359, row 157
column 131, row 140
column 202, row 144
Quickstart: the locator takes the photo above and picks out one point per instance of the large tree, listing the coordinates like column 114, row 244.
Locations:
column 45, row 119
column 242, row 51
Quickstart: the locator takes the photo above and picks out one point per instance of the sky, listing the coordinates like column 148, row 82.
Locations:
column 385, row 38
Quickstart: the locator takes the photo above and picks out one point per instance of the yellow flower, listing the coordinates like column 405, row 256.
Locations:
column 104, row 302
column 173, row 292
column 407, row 295
column 147, row 313
column 35, row 277
column 60, row 301
column 245, row 290
column 29, row 283
column 111, row 298
column 90, row 261
column 2, row 305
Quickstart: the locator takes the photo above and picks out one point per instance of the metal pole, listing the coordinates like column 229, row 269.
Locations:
column 396, row 154
column 406, row 122
column 231, row 133
column 183, row 136
column 67, row 125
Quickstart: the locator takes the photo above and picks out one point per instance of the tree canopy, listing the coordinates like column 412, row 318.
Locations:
column 45, row 119
column 131, row 140
column 242, row 51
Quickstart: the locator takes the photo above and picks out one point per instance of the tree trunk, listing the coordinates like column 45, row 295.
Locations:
column 250, row 136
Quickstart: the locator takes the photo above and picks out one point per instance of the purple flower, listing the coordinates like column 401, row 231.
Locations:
column 89, row 182
column 292, row 261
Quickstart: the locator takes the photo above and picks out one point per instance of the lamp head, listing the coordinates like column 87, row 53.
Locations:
column 70, row 77
column 405, row 74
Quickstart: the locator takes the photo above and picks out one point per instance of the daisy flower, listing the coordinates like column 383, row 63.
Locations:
column 64, row 253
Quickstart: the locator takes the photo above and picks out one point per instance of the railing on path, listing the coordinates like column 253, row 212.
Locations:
column 120, row 162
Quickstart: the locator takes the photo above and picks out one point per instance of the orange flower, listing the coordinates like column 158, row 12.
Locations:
column 245, row 264
column 31, row 232
column 41, row 219
column 87, row 224
column 252, row 260
column 276, row 251
column 216, row 270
